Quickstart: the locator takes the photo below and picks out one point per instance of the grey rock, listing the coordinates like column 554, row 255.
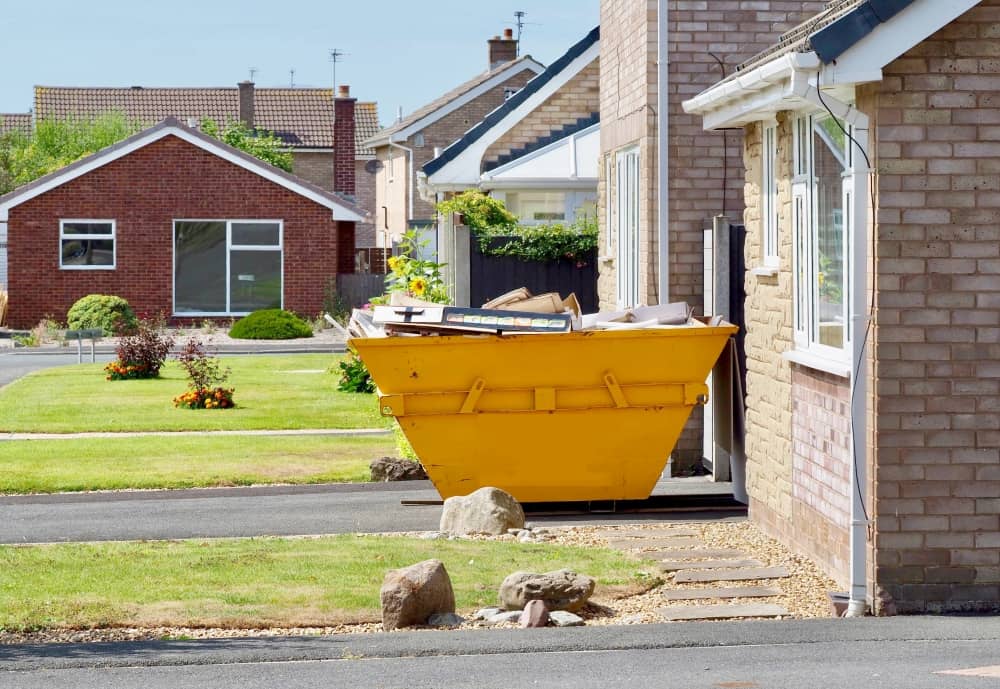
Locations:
column 486, row 511
column 412, row 594
column 509, row 616
column 632, row 619
column 535, row 614
column 486, row 613
column 561, row 618
column 561, row 590
column 445, row 619
column 525, row 537
column 394, row 469
column 432, row 536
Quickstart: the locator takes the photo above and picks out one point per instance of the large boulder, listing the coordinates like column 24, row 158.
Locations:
column 412, row 594
column 392, row 469
column 561, row 590
column 486, row 511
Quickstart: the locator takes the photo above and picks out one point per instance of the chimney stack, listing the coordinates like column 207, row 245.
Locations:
column 502, row 50
column 246, row 103
column 343, row 142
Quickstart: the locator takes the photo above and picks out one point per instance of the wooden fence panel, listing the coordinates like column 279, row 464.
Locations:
column 491, row 276
column 357, row 288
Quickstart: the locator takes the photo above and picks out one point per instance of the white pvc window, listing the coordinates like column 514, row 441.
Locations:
column 227, row 267
column 627, row 186
column 769, row 197
column 87, row 244
column 822, row 200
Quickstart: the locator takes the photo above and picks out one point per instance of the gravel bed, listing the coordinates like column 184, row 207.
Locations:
column 804, row 593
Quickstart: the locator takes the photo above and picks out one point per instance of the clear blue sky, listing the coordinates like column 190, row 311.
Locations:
column 400, row 53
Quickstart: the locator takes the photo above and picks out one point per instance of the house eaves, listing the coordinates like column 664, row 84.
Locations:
column 448, row 167
column 571, row 162
column 452, row 101
column 341, row 208
column 862, row 50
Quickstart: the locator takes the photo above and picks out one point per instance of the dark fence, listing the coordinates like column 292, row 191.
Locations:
column 356, row 289
column 491, row 276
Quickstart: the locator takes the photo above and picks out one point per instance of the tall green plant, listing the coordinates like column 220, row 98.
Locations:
column 412, row 275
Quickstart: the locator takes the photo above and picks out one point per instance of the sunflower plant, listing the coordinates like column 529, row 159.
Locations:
column 412, row 275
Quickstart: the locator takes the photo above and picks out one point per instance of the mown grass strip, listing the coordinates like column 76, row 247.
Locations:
column 263, row 582
column 53, row 466
column 272, row 392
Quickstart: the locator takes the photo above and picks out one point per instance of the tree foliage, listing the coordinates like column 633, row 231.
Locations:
column 258, row 143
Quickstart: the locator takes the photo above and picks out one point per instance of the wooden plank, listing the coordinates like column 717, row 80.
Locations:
column 722, row 611
column 723, row 592
column 732, row 575
column 675, row 565
column 694, row 554
column 629, row 543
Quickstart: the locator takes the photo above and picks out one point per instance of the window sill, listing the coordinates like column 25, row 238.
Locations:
column 832, row 366
column 765, row 271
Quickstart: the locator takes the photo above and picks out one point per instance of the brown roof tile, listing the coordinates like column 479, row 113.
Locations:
column 20, row 121
column 302, row 117
column 456, row 92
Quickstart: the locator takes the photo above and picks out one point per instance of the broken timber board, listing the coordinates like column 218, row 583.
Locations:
column 696, row 554
column 732, row 575
column 674, row 565
column 724, row 592
column 722, row 612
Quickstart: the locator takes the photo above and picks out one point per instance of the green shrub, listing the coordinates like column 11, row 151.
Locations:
column 354, row 376
column 270, row 324
column 111, row 314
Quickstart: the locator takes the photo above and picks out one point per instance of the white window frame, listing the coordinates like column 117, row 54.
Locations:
column 230, row 247
column 627, row 183
column 71, row 236
column 769, row 197
column 805, row 254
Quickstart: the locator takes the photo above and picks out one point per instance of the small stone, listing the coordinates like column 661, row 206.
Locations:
column 561, row 590
column 535, row 614
column 561, row 618
column 525, row 537
column 486, row 511
column 486, row 613
column 509, row 616
column 445, row 619
column 514, row 532
column 432, row 536
column 412, row 594
column 632, row 619
column 394, row 469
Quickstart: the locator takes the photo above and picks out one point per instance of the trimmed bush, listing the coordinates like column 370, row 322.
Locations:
column 111, row 314
column 270, row 324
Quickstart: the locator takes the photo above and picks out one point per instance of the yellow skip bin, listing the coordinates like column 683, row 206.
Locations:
column 589, row 415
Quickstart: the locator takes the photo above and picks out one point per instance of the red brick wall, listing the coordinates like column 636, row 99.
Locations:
column 145, row 192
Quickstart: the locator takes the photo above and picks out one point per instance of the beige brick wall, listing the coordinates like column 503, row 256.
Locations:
column 317, row 167
column 706, row 168
column 938, row 320
column 576, row 99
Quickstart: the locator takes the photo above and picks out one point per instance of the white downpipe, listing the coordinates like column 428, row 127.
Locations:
column 663, row 150
column 411, row 181
column 858, row 604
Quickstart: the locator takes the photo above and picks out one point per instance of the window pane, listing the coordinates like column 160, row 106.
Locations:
column 828, row 153
column 255, row 280
column 86, row 228
column 256, row 234
column 537, row 206
column 88, row 252
column 200, row 267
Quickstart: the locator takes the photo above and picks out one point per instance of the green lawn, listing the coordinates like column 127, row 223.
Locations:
column 272, row 392
column 50, row 466
column 260, row 582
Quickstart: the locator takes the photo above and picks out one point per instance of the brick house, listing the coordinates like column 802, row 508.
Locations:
column 408, row 144
column 705, row 41
column 301, row 117
column 175, row 222
column 537, row 152
column 872, row 193
column 10, row 122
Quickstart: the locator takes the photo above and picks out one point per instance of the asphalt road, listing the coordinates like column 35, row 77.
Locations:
column 13, row 366
column 896, row 653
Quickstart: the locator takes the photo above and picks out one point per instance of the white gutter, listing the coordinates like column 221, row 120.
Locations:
column 663, row 152
column 802, row 88
column 410, row 181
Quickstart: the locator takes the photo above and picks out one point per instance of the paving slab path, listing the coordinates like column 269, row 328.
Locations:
column 721, row 593
column 722, row 612
column 749, row 574
column 676, row 565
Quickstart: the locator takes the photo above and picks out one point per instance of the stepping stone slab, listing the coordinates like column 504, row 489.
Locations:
column 722, row 612
column 682, row 542
column 674, row 565
column 647, row 533
column 727, row 592
column 695, row 554
column 732, row 575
